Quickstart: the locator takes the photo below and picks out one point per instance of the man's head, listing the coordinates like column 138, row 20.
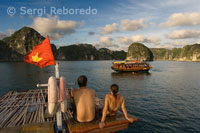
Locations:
column 82, row 81
column 114, row 89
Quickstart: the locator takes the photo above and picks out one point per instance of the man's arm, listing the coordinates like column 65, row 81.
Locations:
column 72, row 95
column 95, row 93
column 102, row 124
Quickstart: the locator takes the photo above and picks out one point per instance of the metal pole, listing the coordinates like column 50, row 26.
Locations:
column 58, row 113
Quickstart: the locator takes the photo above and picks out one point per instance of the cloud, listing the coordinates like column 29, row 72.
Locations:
column 183, row 19
column 54, row 27
column 2, row 35
column 183, row 34
column 107, row 42
column 125, row 48
column 138, row 38
column 174, row 44
column 167, row 46
column 97, row 45
column 132, row 25
column 143, row 39
column 179, row 44
column 124, row 40
column 109, row 28
column 10, row 31
column 91, row 33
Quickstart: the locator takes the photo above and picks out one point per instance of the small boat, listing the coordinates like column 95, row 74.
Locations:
column 130, row 66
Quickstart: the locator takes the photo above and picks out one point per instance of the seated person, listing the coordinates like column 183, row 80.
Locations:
column 84, row 100
column 112, row 104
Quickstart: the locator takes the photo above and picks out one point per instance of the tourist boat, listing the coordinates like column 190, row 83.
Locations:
column 130, row 66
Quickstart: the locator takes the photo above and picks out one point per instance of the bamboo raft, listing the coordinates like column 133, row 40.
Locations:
column 28, row 112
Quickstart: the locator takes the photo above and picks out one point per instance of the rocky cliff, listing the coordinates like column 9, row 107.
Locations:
column 138, row 51
column 23, row 40
column 77, row 52
column 187, row 53
column 104, row 54
column 19, row 44
column 190, row 53
column 8, row 54
column 88, row 52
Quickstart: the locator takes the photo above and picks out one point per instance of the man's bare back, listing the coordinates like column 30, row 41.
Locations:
column 84, row 99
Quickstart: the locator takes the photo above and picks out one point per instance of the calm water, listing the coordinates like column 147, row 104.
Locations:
column 167, row 99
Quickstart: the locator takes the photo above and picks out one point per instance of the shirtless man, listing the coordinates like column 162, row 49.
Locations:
column 112, row 104
column 84, row 100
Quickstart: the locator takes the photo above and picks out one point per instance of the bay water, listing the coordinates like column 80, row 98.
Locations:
column 167, row 99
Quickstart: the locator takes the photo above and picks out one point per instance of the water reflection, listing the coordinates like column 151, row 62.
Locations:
column 167, row 96
column 129, row 74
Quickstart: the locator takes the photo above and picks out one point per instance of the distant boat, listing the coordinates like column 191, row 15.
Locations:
column 130, row 66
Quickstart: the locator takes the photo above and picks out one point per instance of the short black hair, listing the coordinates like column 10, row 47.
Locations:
column 82, row 81
column 114, row 88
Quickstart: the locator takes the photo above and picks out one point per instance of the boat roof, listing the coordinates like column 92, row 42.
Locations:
column 128, row 63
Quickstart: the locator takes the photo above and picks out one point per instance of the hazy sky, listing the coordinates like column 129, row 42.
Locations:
column 113, row 24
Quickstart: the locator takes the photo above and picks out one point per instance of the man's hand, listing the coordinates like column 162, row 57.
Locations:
column 101, row 124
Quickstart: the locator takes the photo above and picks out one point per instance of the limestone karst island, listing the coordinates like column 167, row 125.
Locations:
column 21, row 42
column 100, row 66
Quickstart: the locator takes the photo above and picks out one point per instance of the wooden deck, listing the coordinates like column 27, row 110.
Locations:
column 113, row 124
column 28, row 112
column 18, row 109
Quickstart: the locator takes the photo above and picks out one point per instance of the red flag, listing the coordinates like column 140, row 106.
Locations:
column 41, row 55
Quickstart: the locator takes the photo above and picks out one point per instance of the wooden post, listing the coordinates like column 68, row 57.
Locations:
column 58, row 113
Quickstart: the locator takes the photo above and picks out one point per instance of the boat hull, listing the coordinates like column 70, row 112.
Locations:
column 146, row 69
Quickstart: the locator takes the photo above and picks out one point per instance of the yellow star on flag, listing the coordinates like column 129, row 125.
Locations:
column 36, row 58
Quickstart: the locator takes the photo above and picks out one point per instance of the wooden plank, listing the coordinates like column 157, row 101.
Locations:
column 31, row 128
column 115, row 123
column 108, row 129
column 17, row 109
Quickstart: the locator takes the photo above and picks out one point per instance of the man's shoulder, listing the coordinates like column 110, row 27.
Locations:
column 75, row 90
column 91, row 89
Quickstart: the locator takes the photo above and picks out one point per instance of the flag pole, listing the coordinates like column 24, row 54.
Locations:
column 58, row 113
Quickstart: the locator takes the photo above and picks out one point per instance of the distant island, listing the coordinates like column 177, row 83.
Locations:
column 20, row 43
column 138, row 51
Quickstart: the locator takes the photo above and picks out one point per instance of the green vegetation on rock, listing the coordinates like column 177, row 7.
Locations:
column 77, row 52
column 138, row 51
column 119, row 55
column 187, row 53
column 23, row 40
column 88, row 52
column 160, row 53
column 19, row 44
column 104, row 54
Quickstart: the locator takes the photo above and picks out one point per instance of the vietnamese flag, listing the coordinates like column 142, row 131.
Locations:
column 41, row 55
